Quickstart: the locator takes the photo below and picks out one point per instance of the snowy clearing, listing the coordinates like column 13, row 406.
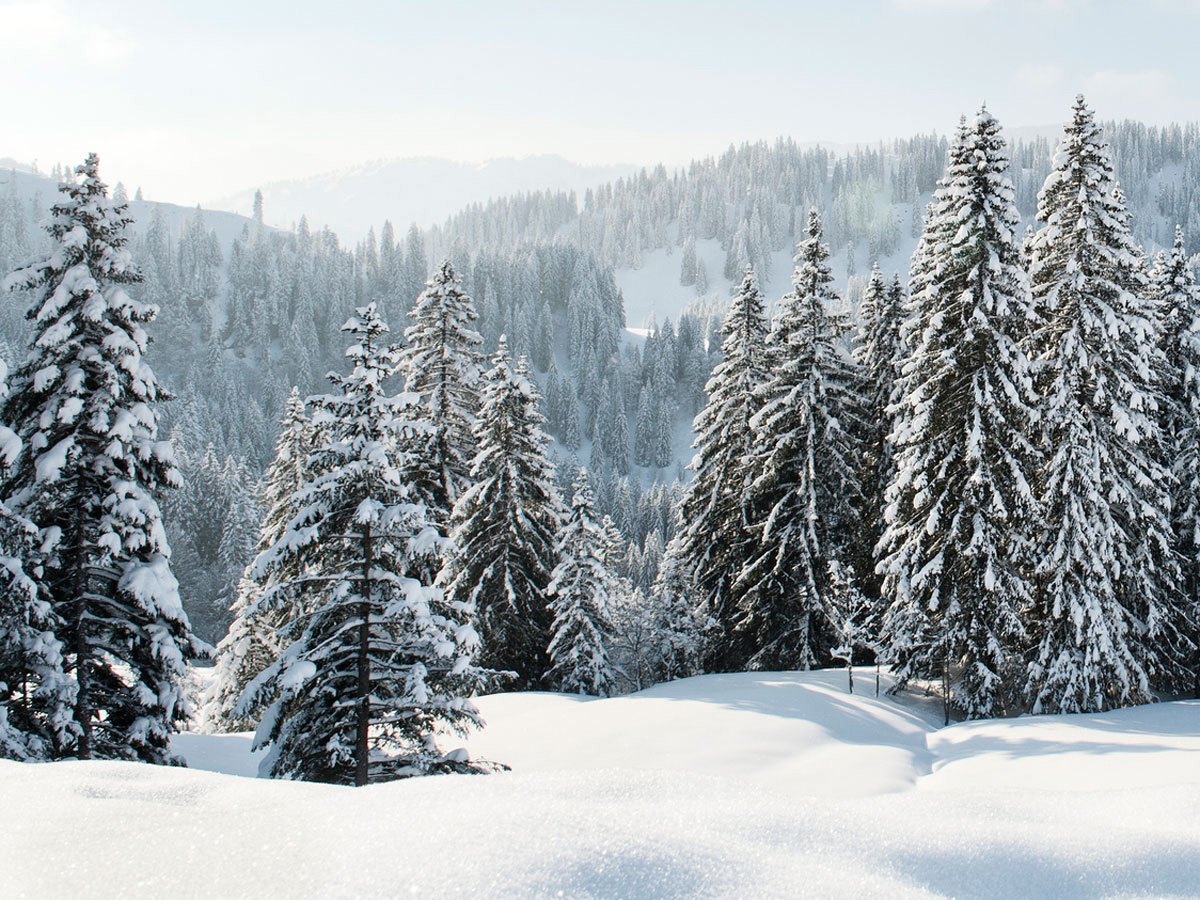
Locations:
column 760, row 785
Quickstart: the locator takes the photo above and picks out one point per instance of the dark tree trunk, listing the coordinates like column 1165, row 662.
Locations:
column 946, row 688
column 83, row 680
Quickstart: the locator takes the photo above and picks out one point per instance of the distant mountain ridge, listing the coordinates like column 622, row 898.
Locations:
column 424, row 190
column 41, row 190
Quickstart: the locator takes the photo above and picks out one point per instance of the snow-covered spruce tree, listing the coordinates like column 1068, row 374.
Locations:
column 1106, row 618
column 714, row 541
column 680, row 631
column 36, row 696
column 877, row 352
column 580, row 589
column 442, row 366
column 505, row 526
column 960, row 509
column 805, row 466
column 84, row 402
column 380, row 662
column 254, row 638
column 1178, row 298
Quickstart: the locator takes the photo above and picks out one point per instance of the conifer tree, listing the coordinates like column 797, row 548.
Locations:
column 877, row 352
column 84, row 403
column 714, row 542
column 505, row 526
column 1178, row 299
column 570, row 433
column 680, row 632
column 581, row 589
column 441, row 365
column 687, row 265
column 36, row 696
column 1106, row 620
column 254, row 638
column 663, row 439
column 380, row 662
column 960, row 510
column 645, row 432
column 805, row 486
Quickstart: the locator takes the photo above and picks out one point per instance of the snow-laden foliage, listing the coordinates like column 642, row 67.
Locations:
column 581, row 592
column 377, row 663
column 442, row 366
column 212, row 522
column 1107, row 616
column 960, row 508
column 714, row 541
column 505, row 526
column 805, row 469
column 35, row 694
column 85, row 404
column 1177, row 296
column 877, row 353
column 679, row 630
column 253, row 641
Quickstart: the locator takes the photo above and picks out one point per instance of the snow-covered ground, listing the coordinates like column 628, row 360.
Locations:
column 755, row 785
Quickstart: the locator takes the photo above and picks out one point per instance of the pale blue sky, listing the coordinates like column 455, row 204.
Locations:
column 193, row 100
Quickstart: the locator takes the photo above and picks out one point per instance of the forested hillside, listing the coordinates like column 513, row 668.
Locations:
column 249, row 311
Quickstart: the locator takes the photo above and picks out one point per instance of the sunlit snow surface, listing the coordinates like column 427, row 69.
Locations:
column 755, row 785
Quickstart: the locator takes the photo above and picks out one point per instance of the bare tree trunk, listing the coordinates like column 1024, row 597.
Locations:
column 83, row 680
column 946, row 687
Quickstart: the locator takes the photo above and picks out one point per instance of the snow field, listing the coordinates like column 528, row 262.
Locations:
column 749, row 785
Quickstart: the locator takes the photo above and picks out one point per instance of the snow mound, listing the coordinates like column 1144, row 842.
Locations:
column 800, row 733
column 763, row 785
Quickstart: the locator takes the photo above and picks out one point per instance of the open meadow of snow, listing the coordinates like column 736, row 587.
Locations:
column 749, row 785
column 652, row 291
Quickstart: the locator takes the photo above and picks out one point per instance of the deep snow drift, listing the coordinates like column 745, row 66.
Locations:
column 736, row 785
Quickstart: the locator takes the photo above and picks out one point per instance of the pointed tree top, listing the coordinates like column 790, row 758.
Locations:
column 366, row 320
column 446, row 272
column 815, row 229
column 89, row 168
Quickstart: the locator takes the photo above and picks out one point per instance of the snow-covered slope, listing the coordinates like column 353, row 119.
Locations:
column 43, row 191
column 755, row 785
column 653, row 294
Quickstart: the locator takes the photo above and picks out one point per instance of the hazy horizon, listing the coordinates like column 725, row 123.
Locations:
column 203, row 102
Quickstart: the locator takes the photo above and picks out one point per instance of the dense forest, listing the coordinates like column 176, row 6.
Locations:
column 982, row 475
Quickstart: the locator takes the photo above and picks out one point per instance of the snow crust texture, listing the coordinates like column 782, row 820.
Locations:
column 746, row 785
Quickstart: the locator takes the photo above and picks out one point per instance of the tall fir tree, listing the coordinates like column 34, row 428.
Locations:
column 36, row 696
column 715, row 542
column 1178, row 298
column 381, row 662
column 805, row 462
column 1105, row 624
column 85, row 405
column 505, row 526
column 960, row 508
column 581, row 590
column 254, row 638
column 877, row 352
column 442, row 366
column 679, row 630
